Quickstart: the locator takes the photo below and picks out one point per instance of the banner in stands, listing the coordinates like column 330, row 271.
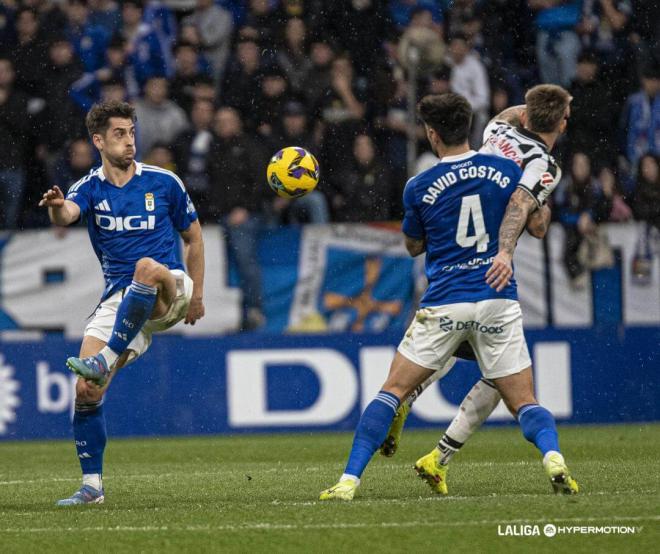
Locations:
column 332, row 278
column 268, row 383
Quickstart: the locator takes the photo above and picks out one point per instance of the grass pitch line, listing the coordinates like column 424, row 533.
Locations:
column 319, row 526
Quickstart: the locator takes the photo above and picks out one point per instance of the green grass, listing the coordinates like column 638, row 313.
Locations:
column 259, row 493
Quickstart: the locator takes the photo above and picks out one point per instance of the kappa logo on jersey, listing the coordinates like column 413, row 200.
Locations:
column 547, row 179
column 128, row 223
column 102, row 206
column 149, row 202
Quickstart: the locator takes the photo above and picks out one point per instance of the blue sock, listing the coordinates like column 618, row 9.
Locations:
column 371, row 431
column 538, row 426
column 90, row 436
column 133, row 312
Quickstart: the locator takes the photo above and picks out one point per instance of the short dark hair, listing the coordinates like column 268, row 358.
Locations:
column 98, row 117
column 448, row 114
column 546, row 107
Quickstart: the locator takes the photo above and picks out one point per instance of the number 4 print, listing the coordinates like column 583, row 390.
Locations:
column 471, row 209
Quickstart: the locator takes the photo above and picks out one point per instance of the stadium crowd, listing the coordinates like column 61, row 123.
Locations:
column 220, row 86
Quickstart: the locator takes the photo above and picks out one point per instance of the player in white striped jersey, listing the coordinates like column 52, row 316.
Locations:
column 524, row 134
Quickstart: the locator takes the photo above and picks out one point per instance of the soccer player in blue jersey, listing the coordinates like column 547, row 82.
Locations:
column 132, row 211
column 453, row 212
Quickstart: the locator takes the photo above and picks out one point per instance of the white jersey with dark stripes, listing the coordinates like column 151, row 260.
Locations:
column 541, row 173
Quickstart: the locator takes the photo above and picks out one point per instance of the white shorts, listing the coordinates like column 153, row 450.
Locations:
column 492, row 327
column 104, row 317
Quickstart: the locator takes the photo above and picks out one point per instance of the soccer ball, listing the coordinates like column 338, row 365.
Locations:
column 293, row 172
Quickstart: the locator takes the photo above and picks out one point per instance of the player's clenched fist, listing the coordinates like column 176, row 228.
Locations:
column 52, row 198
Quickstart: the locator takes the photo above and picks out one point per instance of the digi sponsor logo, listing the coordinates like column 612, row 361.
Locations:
column 128, row 223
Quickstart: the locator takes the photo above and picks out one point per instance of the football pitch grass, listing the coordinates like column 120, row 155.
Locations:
column 260, row 493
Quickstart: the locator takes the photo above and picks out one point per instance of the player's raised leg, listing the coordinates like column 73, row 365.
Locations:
column 89, row 430
column 149, row 296
column 538, row 427
column 404, row 376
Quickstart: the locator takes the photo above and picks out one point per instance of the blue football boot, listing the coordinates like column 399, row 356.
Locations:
column 94, row 368
column 85, row 495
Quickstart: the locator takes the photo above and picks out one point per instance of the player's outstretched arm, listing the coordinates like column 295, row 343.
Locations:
column 61, row 212
column 538, row 222
column 521, row 204
column 194, row 257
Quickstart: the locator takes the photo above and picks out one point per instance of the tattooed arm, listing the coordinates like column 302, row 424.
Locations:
column 510, row 115
column 520, row 206
column 539, row 221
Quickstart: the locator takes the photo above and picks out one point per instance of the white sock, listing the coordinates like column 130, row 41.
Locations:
column 110, row 356
column 93, row 480
column 346, row 476
column 473, row 411
column 550, row 453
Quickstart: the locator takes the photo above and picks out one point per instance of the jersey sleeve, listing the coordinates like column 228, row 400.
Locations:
column 539, row 178
column 81, row 193
column 412, row 222
column 182, row 209
column 491, row 129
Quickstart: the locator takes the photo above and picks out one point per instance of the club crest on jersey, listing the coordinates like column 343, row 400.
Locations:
column 149, row 202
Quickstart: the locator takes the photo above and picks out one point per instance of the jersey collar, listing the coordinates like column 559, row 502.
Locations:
column 458, row 157
column 532, row 135
column 138, row 170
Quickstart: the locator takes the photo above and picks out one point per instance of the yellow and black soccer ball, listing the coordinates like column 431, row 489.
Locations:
column 293, row 172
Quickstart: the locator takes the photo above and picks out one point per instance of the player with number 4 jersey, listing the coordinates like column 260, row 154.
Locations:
column 454, row 212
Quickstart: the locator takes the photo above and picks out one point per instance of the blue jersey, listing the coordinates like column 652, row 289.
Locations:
column 135, row 221
column 457, row 207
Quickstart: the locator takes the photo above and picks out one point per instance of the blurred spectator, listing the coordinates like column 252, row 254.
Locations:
column 74, row 163
column 191, row 155
column 604, row 29
column 28, row 54
column 14, row 135
column 143, row 46
column 469, row 78
column 158, row 118
column 89, row 41
column 273, row 95
column 318, row 77
column 214, row 25
column 236, row 194
column 340, row 110
column 243, row 78
column 105, row 14
column 646, row 198
column 161, row 156
column 363, row 189
column 583, row 204
column 189, row 67
column 204, row 89
column 557, row 43
column 88, row 89
column 646, row 207
column 52, row 19
column 61, row 120
column 360, row 26
column 402, row 11
column 608, row 181
column 293, row 57
column 427, row 40
column 261, row 23
column 640, row 119
column 592, row 125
